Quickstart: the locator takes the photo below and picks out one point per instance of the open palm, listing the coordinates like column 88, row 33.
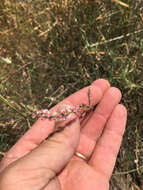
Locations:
column 52, row 165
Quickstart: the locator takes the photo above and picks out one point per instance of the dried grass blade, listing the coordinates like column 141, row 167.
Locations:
column 121, row 3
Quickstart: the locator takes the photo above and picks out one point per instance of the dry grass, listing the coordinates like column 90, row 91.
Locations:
column 49, row 49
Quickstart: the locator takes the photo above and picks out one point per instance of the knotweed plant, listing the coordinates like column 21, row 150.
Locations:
column 80, row 110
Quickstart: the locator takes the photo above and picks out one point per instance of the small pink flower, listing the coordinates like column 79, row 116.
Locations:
column 34, row 115
column 39, row 112
column 45, row 111
column 24, row 74
column 47, row 114
column 76, row 109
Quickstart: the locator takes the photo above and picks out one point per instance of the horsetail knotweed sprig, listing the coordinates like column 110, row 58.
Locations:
column 80, row 110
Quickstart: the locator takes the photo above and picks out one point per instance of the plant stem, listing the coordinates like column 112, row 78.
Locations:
column 11, row 106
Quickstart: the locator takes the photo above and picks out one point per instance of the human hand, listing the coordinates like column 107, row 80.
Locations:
column 35, row 164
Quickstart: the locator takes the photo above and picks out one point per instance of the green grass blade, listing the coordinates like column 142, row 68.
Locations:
column 11, row 106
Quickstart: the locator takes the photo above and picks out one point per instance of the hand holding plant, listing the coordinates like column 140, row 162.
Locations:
column 39, row 164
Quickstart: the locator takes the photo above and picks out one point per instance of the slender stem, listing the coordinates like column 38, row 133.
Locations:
column 89, row 97
column 11, row 106
column 129, row 171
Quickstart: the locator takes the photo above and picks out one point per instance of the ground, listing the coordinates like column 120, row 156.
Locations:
column 50, row 49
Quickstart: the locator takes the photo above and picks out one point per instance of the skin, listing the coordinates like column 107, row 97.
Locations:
column 35, row 164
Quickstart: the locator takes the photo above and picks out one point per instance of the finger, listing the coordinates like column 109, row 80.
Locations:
column 28, row 142
column 93, row 129
column 42, row 128
column 81, row 97
column 47, row 160
column 107, row 147
column 104, row 86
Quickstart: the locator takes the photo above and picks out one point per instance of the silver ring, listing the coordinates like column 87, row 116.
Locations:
column 81, row 156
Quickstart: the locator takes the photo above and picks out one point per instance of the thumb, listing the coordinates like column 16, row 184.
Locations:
column 57, row 150
column 46, row 161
